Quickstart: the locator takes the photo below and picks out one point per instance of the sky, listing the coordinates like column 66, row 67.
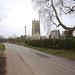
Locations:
column 16, row 14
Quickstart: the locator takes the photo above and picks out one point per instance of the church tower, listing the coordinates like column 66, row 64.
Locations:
column 35, row 28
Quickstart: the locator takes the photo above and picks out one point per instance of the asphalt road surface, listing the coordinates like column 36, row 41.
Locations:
column 26, row 61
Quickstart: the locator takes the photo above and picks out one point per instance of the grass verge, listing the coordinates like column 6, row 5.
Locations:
column 2, row 60
column 1, row 46
column 64, row 53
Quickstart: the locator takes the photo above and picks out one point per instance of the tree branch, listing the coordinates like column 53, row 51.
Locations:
column 70, row 8
column 69, row 28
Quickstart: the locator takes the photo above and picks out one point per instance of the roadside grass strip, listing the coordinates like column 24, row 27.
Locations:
column 2, row 60
column 69, row 54
column 1, row 46
column 64, row 53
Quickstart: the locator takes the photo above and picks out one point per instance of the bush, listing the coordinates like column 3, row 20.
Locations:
column 56, row 44
column 65, row 44
column 72, row 43
column 46, row 43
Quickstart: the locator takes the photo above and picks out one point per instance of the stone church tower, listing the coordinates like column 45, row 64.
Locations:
column 35, row 28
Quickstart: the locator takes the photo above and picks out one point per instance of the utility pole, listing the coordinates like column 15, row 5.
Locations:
column 25, row 31
column 25, row 35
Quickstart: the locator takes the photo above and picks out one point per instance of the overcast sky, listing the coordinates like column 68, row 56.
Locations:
column 15, row 14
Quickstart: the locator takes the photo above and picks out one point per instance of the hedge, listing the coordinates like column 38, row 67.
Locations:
column 72, row 43
column 46, row 43
column 66, row 44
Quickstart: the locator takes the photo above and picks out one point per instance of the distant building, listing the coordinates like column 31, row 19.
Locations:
column 74, row 33
column 55, row 34
column 28, row 37
column 43, row 37
column 35, row 28
column 36, row 31
column 63, row 36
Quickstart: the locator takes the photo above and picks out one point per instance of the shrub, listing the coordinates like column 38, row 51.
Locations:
column 56, row 44
column 72, row 43
column 65, row 44
column 48, row 43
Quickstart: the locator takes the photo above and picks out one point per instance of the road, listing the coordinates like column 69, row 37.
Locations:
column 26, row 61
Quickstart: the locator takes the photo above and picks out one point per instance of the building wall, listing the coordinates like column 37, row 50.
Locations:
column 55, row 34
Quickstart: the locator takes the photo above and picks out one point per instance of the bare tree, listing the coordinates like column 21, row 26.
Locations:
column 51, row 10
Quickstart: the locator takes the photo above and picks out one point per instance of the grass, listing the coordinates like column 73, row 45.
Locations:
column 69, row 54
column 1, row 46
column 2, row 60
column 64, row 53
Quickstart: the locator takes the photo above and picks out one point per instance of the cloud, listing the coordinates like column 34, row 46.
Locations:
column 6, row 6
column 3, row 12
column 15, row 15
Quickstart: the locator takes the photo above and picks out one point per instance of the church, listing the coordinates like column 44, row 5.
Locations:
column 36, row 29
